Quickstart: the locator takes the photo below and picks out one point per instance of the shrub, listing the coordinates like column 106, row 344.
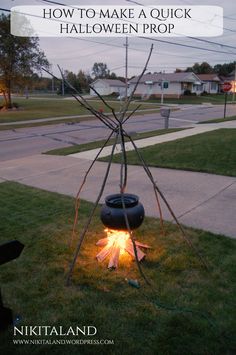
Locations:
column 153, row 97
column 187, row 92
column 114, row 94
column 204, row 93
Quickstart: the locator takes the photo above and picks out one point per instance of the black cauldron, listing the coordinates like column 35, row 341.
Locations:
column 113, row 215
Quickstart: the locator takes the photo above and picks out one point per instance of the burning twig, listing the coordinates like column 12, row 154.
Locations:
column 118, row 243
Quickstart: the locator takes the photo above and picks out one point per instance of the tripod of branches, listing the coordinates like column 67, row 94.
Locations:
column 118, row 132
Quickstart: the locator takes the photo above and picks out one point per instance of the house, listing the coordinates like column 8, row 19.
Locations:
column 108, row 87
column 173, row 85
column 211, row 83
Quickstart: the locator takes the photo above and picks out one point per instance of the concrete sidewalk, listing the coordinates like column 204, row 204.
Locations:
column 199, row 200
column 146, row 142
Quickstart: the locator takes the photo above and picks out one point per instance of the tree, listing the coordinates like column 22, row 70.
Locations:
column 100, row 70
column 84, row 81
column 73, row 80
column 19, row 56
column 40, row 83
column 3, row 89
column 178, row 70
column 224, row 69
column 203, row 68
column 112, row 75
column 189, row 69
column 79, row 81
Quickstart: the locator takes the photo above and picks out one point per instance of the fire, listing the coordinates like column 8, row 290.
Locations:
column 118, row 243
column 117, row 238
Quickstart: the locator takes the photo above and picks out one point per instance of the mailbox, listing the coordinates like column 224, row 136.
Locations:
column 165, row 112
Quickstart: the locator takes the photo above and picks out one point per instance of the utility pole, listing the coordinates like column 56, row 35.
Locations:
column 126, row 68
column 62, row 84
column 234, row 86
column 162, row 88
column 53, row 85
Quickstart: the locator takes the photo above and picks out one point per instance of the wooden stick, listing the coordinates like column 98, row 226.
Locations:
column 82, row 235
column 104, row 253
column 102, row 242
column 149, row 174
column 114, row 259
column 130, row 249
column 77, row 199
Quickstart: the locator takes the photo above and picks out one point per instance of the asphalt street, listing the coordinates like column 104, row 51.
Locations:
column 23, row 142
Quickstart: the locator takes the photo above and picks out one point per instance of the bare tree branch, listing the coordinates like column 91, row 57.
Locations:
column 123, row 180
column 133, row 241
column 82, row 101
column 131, row 114
column 77, row 199
column 82, row 235
column 149, row 174
column 136, row 85
column 85, row 103
column 96, row 114
column 116, row 126
column 105, row 103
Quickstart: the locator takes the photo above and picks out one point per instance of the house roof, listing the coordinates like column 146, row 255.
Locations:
column 172, row 77
column 209, row 77
column 111, row 82
column 230, row 77
column 227, row 78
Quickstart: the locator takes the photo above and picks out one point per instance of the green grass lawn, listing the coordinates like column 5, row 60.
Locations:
column 213, row 98
column 212, row 152
column 218, row 120
column 34, row 285
column 98, row 144
column 33, row 109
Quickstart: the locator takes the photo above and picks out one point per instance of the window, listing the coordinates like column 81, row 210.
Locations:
column 214, row 86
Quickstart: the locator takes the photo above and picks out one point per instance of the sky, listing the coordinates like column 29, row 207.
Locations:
column 75, row 54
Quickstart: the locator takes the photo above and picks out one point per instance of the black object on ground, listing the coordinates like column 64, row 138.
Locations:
column 8, row 251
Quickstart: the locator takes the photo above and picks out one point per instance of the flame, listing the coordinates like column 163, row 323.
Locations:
column 118, row 243
column 117, row 238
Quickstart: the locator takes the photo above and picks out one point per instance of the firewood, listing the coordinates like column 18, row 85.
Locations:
column 114, row 259
column 130, row 249
column 102, row 242
column 142, row 245
column 112, row 247
column 104, row 253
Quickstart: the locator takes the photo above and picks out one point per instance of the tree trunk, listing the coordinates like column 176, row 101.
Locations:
column 8, row 94
column 5, row 98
